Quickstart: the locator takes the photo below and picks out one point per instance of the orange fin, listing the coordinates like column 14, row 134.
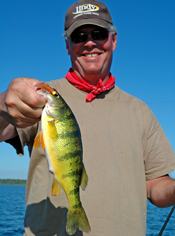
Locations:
column 56, row 188
column 39, row 141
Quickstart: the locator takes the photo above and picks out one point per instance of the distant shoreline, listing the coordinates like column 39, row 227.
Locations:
column 13, row 182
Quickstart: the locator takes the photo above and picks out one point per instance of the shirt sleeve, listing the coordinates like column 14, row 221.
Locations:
column 25, row 136
column 159, row 155
column 15, row 142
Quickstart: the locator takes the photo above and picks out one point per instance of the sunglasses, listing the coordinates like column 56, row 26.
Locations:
column 80, row 37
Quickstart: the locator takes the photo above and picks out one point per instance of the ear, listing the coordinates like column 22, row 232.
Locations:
column 114, row 41
column 67, row 47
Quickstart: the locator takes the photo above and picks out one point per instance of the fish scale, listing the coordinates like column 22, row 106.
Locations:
column 60, row 137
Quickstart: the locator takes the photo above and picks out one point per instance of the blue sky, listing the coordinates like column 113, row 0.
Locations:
column 31, row 44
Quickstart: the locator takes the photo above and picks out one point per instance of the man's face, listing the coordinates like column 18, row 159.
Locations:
column 91, row 60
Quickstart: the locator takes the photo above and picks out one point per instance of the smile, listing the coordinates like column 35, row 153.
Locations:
column 92, row 55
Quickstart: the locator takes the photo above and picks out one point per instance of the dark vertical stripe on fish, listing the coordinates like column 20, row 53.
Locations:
column 71, row 155
column 72, row 174
column 73, row 134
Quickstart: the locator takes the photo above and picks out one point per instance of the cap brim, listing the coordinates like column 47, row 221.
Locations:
column 98, row 22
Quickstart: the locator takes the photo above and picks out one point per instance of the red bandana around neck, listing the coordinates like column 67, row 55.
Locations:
column 85, row 86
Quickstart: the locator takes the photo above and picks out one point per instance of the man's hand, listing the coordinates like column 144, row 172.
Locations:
column 21, row 106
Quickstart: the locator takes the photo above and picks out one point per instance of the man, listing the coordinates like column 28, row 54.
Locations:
column 125, row 151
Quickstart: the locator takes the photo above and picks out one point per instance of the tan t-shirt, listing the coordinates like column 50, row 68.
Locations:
column 123, row 146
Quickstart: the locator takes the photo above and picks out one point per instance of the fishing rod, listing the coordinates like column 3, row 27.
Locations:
column 164, row 225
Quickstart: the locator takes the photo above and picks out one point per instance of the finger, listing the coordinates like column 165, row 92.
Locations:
column 24, row 89
column 18, row 120
column 32, row 99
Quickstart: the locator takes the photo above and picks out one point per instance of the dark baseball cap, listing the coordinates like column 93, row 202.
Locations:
column 86, row 12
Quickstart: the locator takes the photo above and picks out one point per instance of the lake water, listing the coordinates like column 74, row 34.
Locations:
column 155, row 219
column 12, row 210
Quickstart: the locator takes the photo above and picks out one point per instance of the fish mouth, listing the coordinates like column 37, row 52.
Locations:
column 47, row 89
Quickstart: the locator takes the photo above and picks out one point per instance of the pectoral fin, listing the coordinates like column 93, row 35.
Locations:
column 39, row 141
column 56, row 188
column 84, row 179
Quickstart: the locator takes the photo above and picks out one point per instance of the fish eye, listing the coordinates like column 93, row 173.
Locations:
column 54, row 93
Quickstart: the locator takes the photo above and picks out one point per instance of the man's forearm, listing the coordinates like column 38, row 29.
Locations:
column 7, row 131
column 161, row 191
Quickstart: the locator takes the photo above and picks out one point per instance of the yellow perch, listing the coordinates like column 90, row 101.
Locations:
column 61, row 140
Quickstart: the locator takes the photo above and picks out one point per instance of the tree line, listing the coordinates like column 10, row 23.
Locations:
column 13, row 181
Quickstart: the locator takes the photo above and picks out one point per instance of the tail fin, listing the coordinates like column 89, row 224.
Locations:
column 77, row 219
